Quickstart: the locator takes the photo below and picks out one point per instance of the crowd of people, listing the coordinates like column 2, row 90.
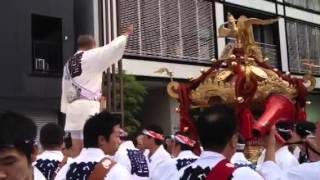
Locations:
column 93, row 145
column 109, row 153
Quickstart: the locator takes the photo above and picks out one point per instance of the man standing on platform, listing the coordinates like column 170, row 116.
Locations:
column 82, row 79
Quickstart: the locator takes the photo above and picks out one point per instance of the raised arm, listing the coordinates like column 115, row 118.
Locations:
column 99, row 59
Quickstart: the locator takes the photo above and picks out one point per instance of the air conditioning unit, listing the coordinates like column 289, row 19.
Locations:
column 41, row 65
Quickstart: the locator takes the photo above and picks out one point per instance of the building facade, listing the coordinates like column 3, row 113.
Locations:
column 36, row 37
column 181, row 35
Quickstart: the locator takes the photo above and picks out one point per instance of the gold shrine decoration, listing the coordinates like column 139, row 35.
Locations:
column 242, row 57
column 242, row 30
column 166, row 71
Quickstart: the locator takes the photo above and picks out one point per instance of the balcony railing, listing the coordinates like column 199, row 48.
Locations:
column 268, row 50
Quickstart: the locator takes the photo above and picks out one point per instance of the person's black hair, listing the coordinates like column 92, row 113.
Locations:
column 18, row 132
column 51, row 136
column 305, row 128
column 284, row 129
column 216, row 126
column 156, row 129
column 135, row 135
column 101, row 124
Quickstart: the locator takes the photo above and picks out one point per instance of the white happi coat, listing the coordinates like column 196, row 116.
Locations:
column 184, row 158
column 159, row 158
column 200, row 169
column 37, row 174
column 172, row 167
column 133, row 160
column 90, row 68
column 305, row 171
column 48, row 161
column 81, row 167
column 284, row 158
column 239, row 160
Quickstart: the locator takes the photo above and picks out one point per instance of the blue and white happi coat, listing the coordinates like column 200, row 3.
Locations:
column 81, row 167
column 133, row 160
column 47, row 163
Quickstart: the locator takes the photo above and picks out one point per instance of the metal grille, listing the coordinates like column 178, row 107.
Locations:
column 268, row 50
column 303, row 43
column 308, row 4
column 206, row 42
column 173, row 30
column 170, row 29
column 130, row 9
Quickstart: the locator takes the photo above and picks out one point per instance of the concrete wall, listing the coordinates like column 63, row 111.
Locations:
column 156, row 109
column 83, row 17
column 19, row 88
column 174, row 116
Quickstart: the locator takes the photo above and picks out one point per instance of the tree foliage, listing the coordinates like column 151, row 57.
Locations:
column 134, row 93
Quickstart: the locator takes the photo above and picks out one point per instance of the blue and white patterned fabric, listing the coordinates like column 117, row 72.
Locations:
column 185, row 158
column 81, row 167
column 133, row 160
column 171, row 168
column 47, row 167
column 47, row 163
column 80, row 170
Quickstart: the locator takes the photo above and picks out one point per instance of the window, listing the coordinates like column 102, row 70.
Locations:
column 46, row 45
column 307, row 4
column 169, row 29
column 313, row 108
column 303, row 43
column 265, row 36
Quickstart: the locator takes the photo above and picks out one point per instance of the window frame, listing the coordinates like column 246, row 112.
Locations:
column 59, row 62
column 288, row 4
column 287, row 43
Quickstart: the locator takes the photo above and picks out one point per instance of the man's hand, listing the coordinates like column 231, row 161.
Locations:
column 129, row 30
column 270, row 145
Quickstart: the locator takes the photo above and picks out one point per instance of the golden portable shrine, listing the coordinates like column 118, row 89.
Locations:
column 242, row 78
